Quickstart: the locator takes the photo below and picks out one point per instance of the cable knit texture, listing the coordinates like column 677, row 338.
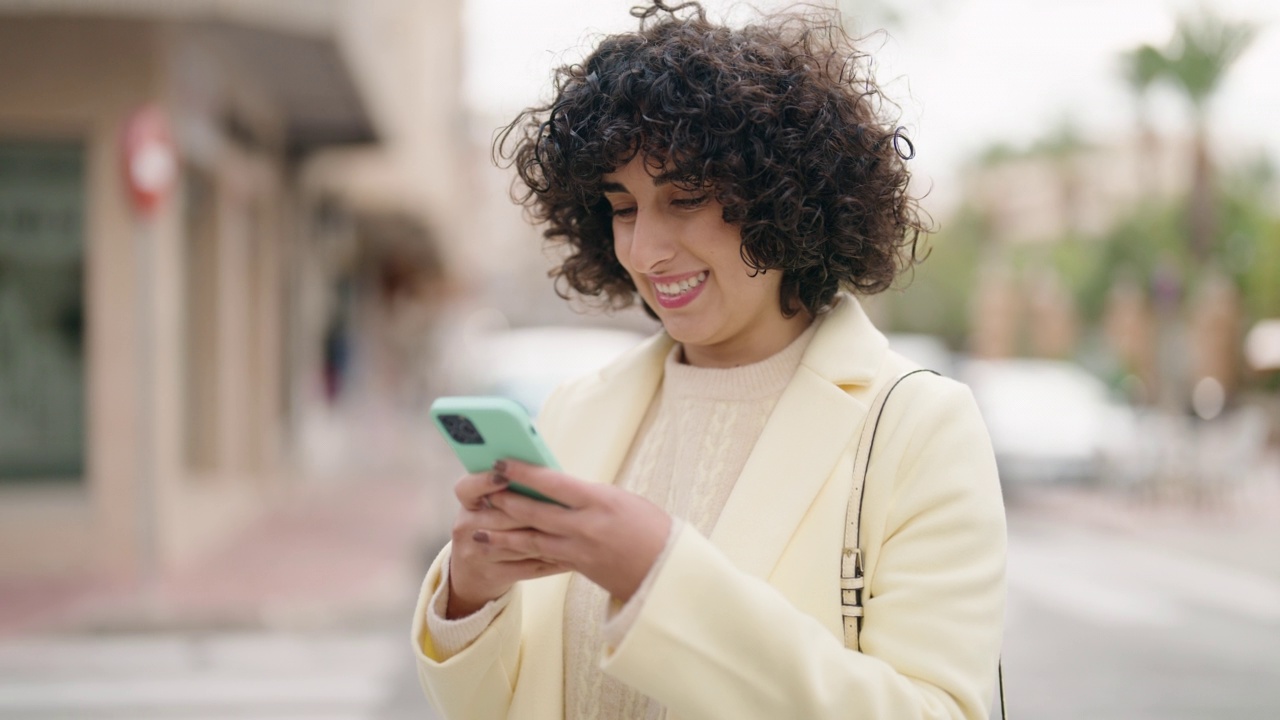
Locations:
column 691, row 447
column 453, row 636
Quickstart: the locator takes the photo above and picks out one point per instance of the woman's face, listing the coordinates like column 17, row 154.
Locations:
column 685, row 261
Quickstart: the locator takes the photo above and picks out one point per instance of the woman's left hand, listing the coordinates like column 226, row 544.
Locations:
column 607, row 534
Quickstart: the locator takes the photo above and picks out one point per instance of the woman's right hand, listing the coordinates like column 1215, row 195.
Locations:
column 478, row 572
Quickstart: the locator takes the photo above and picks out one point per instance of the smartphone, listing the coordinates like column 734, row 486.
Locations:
column 484, row 430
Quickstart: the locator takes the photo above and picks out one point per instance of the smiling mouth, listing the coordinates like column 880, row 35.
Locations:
column 677, row 289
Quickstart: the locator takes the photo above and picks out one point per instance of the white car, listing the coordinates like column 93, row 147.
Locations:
column 526, row 364
column 1049, row 420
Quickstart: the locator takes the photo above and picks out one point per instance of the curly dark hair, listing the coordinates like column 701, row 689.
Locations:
column 781, row 120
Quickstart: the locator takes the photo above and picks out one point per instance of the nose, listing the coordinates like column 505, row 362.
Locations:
column 651, row 247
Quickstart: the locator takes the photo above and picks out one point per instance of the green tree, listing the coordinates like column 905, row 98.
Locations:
column 1198, row 59
column 1141, row 68
column 938, row 292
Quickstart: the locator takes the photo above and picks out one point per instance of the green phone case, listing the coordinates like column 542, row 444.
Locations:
column 492, row 429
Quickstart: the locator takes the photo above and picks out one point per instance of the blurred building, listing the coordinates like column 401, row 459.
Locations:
column 1066, row 189
column 157, row 372
column 1043, row 196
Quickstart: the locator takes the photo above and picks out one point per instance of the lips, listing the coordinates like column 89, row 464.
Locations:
column 676, row 291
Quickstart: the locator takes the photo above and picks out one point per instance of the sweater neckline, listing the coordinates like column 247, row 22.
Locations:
column 745, row 382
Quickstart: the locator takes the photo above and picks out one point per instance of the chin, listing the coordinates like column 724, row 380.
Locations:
column 686, row 332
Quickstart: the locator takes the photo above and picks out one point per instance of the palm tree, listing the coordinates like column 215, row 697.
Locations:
column 1203, row 49
column 1142, row 67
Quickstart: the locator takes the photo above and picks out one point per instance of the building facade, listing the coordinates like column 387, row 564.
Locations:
column 154, row 365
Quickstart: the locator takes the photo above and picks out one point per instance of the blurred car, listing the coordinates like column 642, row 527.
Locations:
column 1262, row 346
column 526, row 364
column 1050, row 421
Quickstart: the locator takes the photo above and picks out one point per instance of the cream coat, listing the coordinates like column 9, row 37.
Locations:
column 746, row 623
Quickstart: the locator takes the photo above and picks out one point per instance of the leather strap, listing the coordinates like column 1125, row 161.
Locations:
column 852, row 582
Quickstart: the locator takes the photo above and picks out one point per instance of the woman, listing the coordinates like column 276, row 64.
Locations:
column 741, row 183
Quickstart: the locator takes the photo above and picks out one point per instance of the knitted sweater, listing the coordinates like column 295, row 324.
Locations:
column 687, row 455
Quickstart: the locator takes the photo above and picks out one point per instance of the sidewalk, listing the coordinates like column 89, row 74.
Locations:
column 1240, row 530
column 342, row 555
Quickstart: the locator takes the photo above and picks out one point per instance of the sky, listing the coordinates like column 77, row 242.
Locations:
column 966, row 73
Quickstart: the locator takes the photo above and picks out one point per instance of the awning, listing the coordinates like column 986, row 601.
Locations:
column 291, row 46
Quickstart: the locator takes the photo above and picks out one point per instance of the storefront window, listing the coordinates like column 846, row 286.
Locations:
column 42, row 370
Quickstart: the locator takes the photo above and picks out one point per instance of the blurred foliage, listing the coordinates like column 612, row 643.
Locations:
column 1148, row 240
column 1195, row 61
column 1061, row 144
column 1251, row 232
column 942, row 287
column 1203, row 49
column 1224, row 224
column 1141, row 67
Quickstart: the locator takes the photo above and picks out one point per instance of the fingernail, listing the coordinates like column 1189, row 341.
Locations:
column 500, row 466
column 500, row 480
column 481, row 537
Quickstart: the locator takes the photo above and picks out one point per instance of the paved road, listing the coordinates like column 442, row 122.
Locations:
column 1103, row 624
column 264, row 676
column 1112, row 624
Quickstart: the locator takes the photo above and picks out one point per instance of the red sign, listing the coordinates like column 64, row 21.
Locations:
column 150, row 162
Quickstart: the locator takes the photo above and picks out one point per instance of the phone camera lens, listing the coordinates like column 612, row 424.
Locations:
column 461, row 430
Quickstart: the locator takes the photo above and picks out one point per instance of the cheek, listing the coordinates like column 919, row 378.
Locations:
column 621, row 247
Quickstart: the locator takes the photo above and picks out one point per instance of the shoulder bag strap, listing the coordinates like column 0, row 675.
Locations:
column 852, row 582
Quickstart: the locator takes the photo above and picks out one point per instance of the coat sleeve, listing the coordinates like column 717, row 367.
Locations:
column 479, row 682
column 714, row 642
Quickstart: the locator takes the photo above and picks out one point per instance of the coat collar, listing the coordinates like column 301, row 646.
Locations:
column 810, row 427
column 847, row 349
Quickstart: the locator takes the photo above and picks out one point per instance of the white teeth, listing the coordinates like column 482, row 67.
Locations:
column 679, row 288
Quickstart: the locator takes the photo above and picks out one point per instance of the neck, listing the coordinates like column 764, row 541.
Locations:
column 745, row 351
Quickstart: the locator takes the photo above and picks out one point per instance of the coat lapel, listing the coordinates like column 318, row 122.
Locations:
column 809, row 429
column 607, row 412
column 590, row 444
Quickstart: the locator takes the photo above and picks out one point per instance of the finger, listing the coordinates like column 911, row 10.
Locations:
column 472, row 488
column 497, row 558
column 530, row 569
column 528, row 544
column 552, row 483
column 525, row 512
column 482, row 518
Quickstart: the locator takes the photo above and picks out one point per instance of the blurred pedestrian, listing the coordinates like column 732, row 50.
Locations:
column 743, row 183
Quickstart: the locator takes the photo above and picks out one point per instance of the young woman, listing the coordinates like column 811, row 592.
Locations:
column 742, row 184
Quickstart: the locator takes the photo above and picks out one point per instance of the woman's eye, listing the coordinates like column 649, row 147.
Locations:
column 690, row 202
column 623, row 212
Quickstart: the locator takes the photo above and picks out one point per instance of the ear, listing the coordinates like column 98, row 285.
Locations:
column 789, row 296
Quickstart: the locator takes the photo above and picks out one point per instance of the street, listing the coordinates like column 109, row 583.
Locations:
column 1109, row 617
column 354, row 676
column 1105, row 625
